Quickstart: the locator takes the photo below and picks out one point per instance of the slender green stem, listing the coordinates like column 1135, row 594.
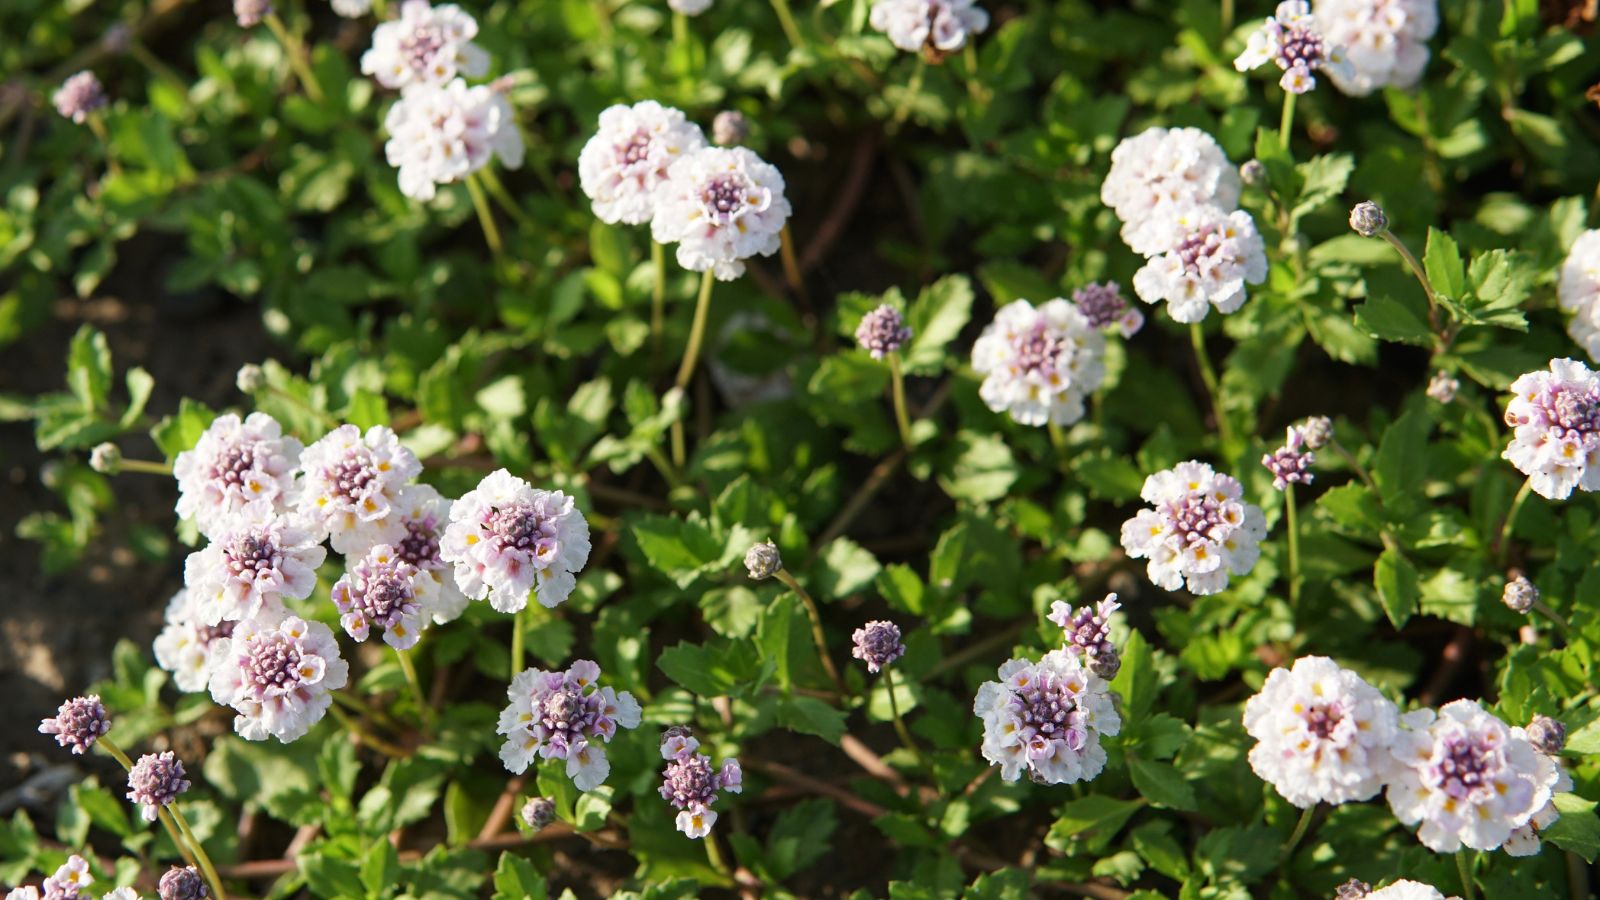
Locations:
column 714, row 854
column 786, row 19
column 491, row 231
column 1287, row 121
column 1355, row 464
column 1300, row 829
column 296, row 52
column 1213, row 387
column 791, row 266
column 658, row 293
column 174, row 834
column 424, row 711
column 144, row 465
column 349, row 701
column 691, row 355
column 899, row 723
column 1561, row 623
column 1464, row 867
column 664, row 466
column 1294, row 547
column 1421, row 276
column 199, row 852
column 497, row 190
column 1058, row 438
column 817, row 634
column 364, row 736
column 1502, row 544
column 1227, row 18
column 897, row 385
column 166, row 820
column 518, row 626
column 97, row 125
column 116, row 753
column 903, row 108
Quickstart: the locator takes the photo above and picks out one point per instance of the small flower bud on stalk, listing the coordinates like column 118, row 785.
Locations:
column 1547, row 735
column 538, row 812
column 106, row 459
column 730, row 128
column 1368, row 219
column 763, row 560
column 1520, row 595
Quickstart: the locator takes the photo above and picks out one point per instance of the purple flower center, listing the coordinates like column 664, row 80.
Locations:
column 252, row 553
column 355, row 477
column 1300, row 46
column 388, row 591
column 272, row 661
column 1200, row 248
column 420, row 546
column 1469, row 763
column 521, row 527
column 1322, row 719
column 205, row 634
column 725, row 197
column 690, row 782
column 1197, row 519
column 635, row 149
column 1048, row 711
column 1101, row 304
column 568, row 711
column 157, row 779
column 1038, row 351
column 233, row 464
column 420, row 47
column 1575, row 410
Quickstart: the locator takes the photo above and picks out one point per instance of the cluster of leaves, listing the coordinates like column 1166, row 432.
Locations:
column 545, row 362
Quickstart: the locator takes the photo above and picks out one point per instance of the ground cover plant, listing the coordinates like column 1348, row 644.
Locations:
column 908, row 448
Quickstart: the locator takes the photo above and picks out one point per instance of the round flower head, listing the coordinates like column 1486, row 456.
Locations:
column 1368, row 219
column 1046, row 718
column 425, row 45
column 250, row 378
column 1385, row 41
column 1322, row 734
column 538, row 812
column 1088, row 634
column 762, row 560
column 351, row 9
column 882, row 331
column 414, row 527
column 182, row 884
column 934, row 28
column 1467, row 777
column 79, row 96
column 628, row 157
column 1291, row 463
column 26, row 892
column 155, row 781
column 252, row 567
column 106, row 458
column 1442, row 387
column 1579, row 292
column 564, row 715
column 506, row 539
column 1039, row 363
column 1519, row 595
column 1160, row 173
column 69, row 880
column 729, row 128
column 1316, row 431
column 78, row 724
column 1408, row 890
column 721, row 206
column 1104, row 306
column 380, row 589
column 277, row 677
column 1215, row 256
column 441, row 133
column 249, row 13
column 877, row 644
column 1547, row 735
column 691, row 785
column 184, row 645
column 1199, row 531
column 1555, row 422
column 1292, row 40
column 235, row 463
column 351, row 482
column 689, row 7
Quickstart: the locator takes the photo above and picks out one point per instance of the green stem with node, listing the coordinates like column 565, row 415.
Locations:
column 296, row 52
column 424, row 711
column 691, row 354
column 786, row 20
column 491, row 231
column 116, row 753
column 899, row 723
column 897, row 384
column 1421, row 275
column 145, row 466
column 1213, row 386
column 818, row 636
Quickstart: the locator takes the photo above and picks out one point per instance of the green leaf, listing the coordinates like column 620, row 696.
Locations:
column 515, row 878
column 1396, row 580
column 1095, row 818
column 1578, row 829
column 843, row 568
column 1586, row 740
column 936, row 318
column 380, row 867
column 1442, row 261
column 89, row 368
column 1324, row 178
column 979, row 468
column 140, row 383
column 1161, row 784
column 800, row 837
column 330, row 877
column 367, row 409
column 809, row 715
column 1402, row 457
column 177, row 433
column 1387, row 319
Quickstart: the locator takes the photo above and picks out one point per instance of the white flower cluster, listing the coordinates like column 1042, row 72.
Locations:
column 1198, row 531
column 1385, row 41
column 627, row 159
column 425, row 45
column 441, row 133
column 1555, row 420
column 1293, row 40
column 1046, row 719
column 1177, row 196
column 1405, row 889
column 1579, row 292
column 507, row 540
column 1038, row 364
column 935, row 28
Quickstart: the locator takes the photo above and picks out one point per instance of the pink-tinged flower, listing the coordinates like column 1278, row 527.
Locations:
column 1555, row 422
column 1292, row 40
column 1291, row 463
column 538, row 812
column 250, row 13
column 877, row 644
column 155, row 781
column 935, row 28
column 627, row 159
column 1105, row 307
column 1579, row 291
column 235, row 464
column 1160, row 174
column 183, row 883
column 441, row 133
column 1088, row 634
column 1046, row 719
column 691, row 784
column 1039, row 364
column 1468, row 778
column 721, row 206
column 1408, row 890
column 1198, row 531
column 380, row 589
column 350, row 483
column 277, row 677
column 1322, row 733
column 507, row 539
column 79, row 96
column 78, row 724
column 184, row 645
column 564, row 715
column 1215, row 255
column 882, row 331
column 251, row 567
column 69, row 879
column 414, row 527
column 425, row 45
column 1385, row 41
column 1442, row 387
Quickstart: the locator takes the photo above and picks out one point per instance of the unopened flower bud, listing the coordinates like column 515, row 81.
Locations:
column 250, row 13
column 251, row 378
column 1254, row 173
column 763, row 560
column 1354, row 889
column 1368, row 219
column 105, row 458
column 730, row 128
column 1520, row 595
column 1442, row 387
column 538, row 812
column 1547, row 735
column 182, row 884
column 1317, row 431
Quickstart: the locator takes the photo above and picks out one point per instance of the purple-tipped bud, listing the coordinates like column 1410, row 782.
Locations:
column 1354, row 889
column 1368, row 219
column 105, row 458
column 1088, row 634
column 882, row 331
column 763, row 560
column 251, row 12
column 538, row 812
column 79, row 96
column 1442, row 388
column 1547, row 735
column 1104, row 306
column 1520, row 595
column 78, row 723
column 1253, row 173
column 878, row 644
column 1291, row 463
column 156, row 780
column 730, row 128
column 182, row 884
column 1317, row 431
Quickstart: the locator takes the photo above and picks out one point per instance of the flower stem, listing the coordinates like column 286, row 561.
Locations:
column 297, row 57
column 791, row 266
column 817, row 634
column 786, row 19
column 166, row 819
column 1502, row 545
column 1213, row 387
column 145, row 466
column 497, row 190
column 1287, row 121
column 517, row 623
column 1294, row 547
column 899, row 723
column 1354, row 464
column 714, row 854
column 97, row 126
column 1464, row 869
column 1227, row 17
column 1561, row 623
column 364, row 736
column 1300, row 829
column 691, row 354
column 1421, row 276
column 658, row 293
column 897, row 384
column 491, row 231
column 199, row 852
column 424, row 711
